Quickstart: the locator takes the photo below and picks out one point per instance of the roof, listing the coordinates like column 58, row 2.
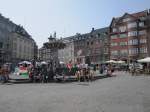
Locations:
column 134, row 15
column 94, row 32
column 16, row 28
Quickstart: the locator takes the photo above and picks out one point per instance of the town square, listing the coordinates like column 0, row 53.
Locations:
column 75, row 56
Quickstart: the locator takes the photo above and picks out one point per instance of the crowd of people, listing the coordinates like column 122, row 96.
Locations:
column 82, row 72
column 47, row 72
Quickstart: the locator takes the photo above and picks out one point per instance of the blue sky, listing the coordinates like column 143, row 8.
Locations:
column 66, row 17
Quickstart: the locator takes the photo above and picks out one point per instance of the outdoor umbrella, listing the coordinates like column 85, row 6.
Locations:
column 120, row 62
column 44, row 63
column 111, row 61
column 25, row 62
column 145, row 60
column 61, row 62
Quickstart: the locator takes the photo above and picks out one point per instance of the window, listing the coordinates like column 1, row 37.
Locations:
column 142, row 41
column 143, row 50
column 123, row 35
column 87, row 43
column 142, row 32
column 122, row 28
column 126, row 19
column 133, row 51
column 132, row 25
column 97, row 51
column 114, row 44
column 105, row 50
column 113, row 36
column 114, row 29
column 98, row 35
column 124, row 52
column 123, row 43
column 7, row 46
column 1, row 45
column 132, row 33
column 133, row 42
column 114, row 52
column 141, row 24
column 106, row 41
column 142, row 18
column 14, row 46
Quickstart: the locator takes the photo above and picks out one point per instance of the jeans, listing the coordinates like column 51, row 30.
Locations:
column 3, row 79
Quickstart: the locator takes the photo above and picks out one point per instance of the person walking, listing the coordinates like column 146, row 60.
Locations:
column 44, row 74
column 1, row 73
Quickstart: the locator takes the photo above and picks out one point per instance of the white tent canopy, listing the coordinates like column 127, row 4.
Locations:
column 61, row 62
column 120, row 62
column 25, row 62
column 44, row 63
column 111, row 61
column 145, row 60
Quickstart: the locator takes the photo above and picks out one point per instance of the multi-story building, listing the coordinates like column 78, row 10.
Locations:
column 66, row 55
column 22, row 46
column 15, row 43
column 6, row 26
column 92, row 48
column 148, row 32
column 129, row 37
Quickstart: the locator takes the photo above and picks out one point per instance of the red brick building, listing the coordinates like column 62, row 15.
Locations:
column 129, row 36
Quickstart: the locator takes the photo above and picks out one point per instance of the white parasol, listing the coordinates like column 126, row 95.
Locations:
column 120, row 62
column 145, row 60
column 44, row 63
column 25, row 62
column 111, row 61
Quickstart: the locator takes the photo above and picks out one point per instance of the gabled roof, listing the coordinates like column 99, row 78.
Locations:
column 118, row 19
column 126, row 14
column 114, row 20
column 133, row 15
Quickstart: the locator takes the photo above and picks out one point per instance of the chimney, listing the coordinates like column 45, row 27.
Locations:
column 92, row 30
column 148, row 11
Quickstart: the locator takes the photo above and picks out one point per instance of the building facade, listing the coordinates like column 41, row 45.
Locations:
column 148, row 32
column 15, row 43
column 93, row 47
column 6, row 27
column 128, row 36
column 21, row 48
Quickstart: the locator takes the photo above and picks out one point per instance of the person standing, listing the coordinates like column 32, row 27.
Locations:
column 4, row 74
column 44, row 73
column 1, row 73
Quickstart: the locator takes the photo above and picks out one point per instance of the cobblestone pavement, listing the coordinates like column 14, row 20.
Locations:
column 123, row 93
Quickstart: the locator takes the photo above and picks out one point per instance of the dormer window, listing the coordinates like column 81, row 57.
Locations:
column 114, row 30
column 141, row 24
column 142, row 18
column 98, row 35
column 132, row 25
column 122, row 28
column 126, row 19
